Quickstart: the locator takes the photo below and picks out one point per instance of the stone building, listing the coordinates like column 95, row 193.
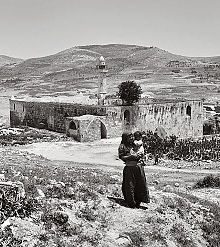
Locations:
column 92, row 122
column 86, row 128
column 182, row 64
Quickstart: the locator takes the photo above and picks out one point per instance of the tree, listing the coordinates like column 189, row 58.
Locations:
column 129, row 92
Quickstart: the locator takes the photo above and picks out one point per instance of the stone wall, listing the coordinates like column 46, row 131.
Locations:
column 183, row 119
column 113, row 121
column 86, row 128
column 48, row 115
column 17, row 112
column 90, row 130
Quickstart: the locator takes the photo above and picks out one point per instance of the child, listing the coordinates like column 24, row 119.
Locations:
column 138, row 148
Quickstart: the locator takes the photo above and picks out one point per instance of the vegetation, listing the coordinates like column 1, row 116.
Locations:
column 209, row 181
column 76, row 212
column 129, row 92
column 80, row 206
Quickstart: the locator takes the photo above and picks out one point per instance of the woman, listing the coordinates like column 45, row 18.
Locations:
column 134, row 186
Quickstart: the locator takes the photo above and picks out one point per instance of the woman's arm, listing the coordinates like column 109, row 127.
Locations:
column 131, row 157
column 125, row 155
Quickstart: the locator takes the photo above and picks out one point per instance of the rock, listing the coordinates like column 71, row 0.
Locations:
column 168, row 188
column 70, row 191
column 52, row 181
column 2, row 217
column 40, row 194
column 5, row 224
column 188, row 187
column 60, row 217
column 156, row 182
column 26, row 231
column 102, row 189
column 177, row 185
column 116, row 177
column 207, row 168
column 152, row 188
column 62, row 183
column 170, row 243
column 79, row 184
column 124, row 240
column 2, row 177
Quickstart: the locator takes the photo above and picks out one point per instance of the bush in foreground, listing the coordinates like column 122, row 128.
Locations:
column 208, row 181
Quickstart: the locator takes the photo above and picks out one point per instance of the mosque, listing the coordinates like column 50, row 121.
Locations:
column 108, row 118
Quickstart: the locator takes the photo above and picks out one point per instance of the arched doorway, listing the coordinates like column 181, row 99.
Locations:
column 188, row 110
column 103, row 131
column 72, row 125
column 127, row 117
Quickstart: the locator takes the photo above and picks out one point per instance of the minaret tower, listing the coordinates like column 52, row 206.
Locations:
column 102, row 80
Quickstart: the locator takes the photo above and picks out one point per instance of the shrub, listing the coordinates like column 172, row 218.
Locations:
column 136, row 239
column 129, row 92
column 208, row 181
column 181, row 235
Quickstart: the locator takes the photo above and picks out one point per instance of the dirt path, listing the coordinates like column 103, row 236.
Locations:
column 102, row 154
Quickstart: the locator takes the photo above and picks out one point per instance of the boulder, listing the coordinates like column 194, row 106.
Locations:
column 168, row 188
column 60, row 217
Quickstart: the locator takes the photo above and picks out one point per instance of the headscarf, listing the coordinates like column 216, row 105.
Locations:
column 125, row 138
column 138, row 133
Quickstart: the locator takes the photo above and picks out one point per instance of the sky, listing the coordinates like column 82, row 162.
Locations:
column 34, row 28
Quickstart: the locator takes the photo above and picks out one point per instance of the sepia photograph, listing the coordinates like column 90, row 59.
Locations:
column 109, row 123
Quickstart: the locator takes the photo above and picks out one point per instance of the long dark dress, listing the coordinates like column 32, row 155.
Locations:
column 134, row 185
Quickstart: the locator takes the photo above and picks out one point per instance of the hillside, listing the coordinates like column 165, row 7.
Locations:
column 75, row 70
column 117, row 57
column 81, row 204
column 5, row 60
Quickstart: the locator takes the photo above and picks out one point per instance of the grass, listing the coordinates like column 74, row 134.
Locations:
column 78, row 191
column 181, row 235
column 136, row 239
column 210, row 223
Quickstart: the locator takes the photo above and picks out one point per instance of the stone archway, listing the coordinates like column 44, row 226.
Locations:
column 103, row 131
column 72, row 125
column 97, row 128
column 188, row 110
column 127, row 117
column 73, row 130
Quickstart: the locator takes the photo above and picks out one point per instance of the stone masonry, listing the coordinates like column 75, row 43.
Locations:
column 183, row 119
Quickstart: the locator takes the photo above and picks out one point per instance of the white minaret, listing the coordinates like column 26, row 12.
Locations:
column 102, row 80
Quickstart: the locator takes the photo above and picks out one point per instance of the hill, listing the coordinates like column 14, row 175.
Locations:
column 117, row 56
column 5, row 60
column 74, row 70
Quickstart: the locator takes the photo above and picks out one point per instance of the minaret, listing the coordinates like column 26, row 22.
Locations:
column 102, row 80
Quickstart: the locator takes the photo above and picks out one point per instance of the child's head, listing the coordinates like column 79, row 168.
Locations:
column 137, row 135
column 137, row 144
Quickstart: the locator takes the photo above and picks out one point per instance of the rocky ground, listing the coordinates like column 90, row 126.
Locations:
column 27, row 135
column 73, row 204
